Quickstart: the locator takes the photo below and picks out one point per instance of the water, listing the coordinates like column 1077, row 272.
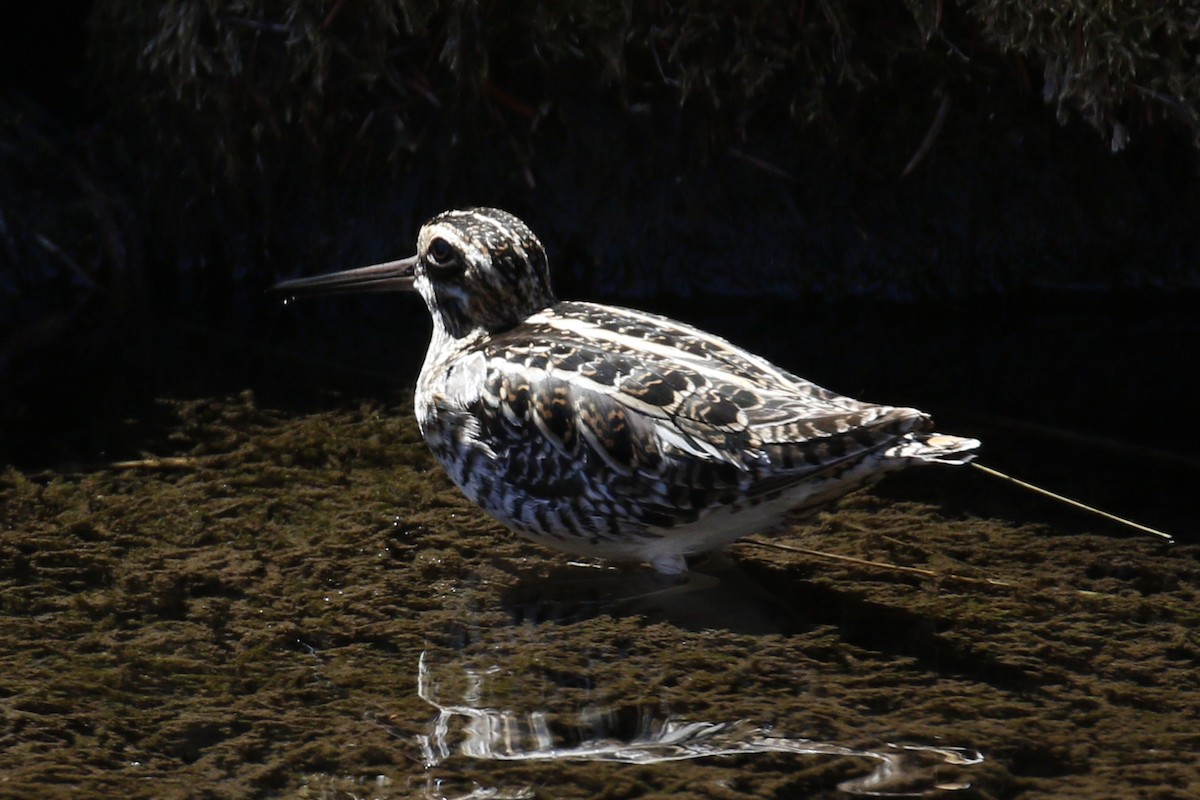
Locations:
column 647, row 734
column 279, row 594
column 298, row 604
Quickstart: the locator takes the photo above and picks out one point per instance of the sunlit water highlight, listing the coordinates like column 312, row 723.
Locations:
column 645, row 735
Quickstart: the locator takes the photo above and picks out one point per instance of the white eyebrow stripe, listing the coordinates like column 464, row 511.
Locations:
column 495, row 223
column 440, row 230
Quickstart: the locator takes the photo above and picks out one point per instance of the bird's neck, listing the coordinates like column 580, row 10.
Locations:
column 446, row 345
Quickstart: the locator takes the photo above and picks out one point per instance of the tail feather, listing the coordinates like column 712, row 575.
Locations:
column 934, row 448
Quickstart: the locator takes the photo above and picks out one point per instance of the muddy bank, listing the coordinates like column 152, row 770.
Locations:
column 243, row 611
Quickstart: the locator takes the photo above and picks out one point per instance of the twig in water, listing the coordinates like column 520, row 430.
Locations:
column 167, row 462
column 1047, row 493
column 863, row 562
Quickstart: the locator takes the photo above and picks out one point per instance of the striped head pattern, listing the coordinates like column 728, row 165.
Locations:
column 480, row 269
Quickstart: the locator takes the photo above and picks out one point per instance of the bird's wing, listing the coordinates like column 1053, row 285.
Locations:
column 711, row 387
column 628, row 330
column 701, row 414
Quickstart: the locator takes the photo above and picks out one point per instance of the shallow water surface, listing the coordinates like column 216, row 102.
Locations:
column 289, row 604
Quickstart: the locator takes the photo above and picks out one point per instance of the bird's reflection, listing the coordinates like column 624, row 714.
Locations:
column 479, row 723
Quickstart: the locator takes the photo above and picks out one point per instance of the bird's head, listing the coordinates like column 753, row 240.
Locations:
column 477, row 269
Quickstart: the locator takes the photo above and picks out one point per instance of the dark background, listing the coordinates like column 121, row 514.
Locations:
column 985, row 210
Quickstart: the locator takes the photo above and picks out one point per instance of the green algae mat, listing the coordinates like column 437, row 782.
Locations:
column 286, row 604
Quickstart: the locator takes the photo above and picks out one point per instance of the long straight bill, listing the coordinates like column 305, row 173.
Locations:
column 391, row 276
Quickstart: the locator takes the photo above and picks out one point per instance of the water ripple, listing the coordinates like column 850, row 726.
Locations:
column 643, row 734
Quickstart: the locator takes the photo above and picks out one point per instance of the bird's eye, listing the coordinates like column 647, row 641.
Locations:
column 441, row 254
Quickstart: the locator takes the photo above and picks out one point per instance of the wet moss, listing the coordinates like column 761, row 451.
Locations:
column 193, row 626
